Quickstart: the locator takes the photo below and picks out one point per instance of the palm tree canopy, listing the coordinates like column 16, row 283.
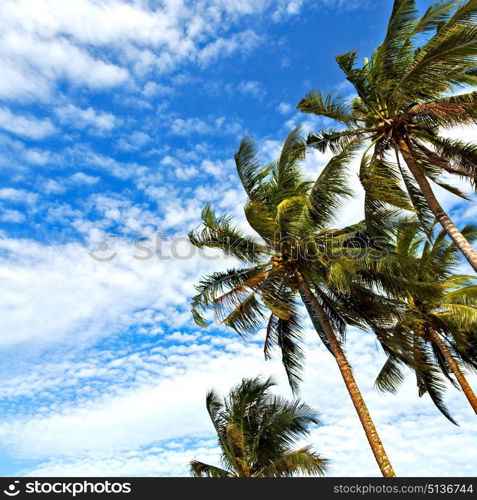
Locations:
column 448, row 306
column 290, row 217
column 256, row 432
column 415, row 85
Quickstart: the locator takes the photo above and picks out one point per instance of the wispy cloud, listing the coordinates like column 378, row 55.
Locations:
column 85, row 118
column 25, row 126
column 209, row 126
column 45, row 41
column 251, row 87
column 149, row 389
column 18, row 195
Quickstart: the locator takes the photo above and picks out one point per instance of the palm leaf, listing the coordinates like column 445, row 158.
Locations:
column 200, row 469
column 330, row 106
column 285, row 334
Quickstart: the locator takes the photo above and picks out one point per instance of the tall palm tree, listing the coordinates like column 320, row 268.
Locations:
column 407, row 96
column 256, row 431
column 440, row 324
column 296, row 254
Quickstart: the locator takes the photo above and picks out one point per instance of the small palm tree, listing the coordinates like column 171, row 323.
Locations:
column 256, row 431
column 440, row 325
column 297, row 254
column 407, row 94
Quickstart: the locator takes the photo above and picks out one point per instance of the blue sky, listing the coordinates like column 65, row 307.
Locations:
column 118, row 121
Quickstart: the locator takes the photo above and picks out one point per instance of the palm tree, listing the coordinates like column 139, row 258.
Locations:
column 439, row 324
column 407, row 93
column 296, row 254
column 256, row 431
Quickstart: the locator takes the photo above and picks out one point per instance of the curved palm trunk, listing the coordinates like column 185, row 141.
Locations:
column 450, row 228
column 347, row 374
column 469, row 393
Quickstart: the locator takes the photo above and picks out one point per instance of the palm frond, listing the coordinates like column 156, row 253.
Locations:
column 331, row 188
column 286, row 334
column 455, row 157
column 286, row 173
column 246, row 318
column 334, row 140
column 214, row 286
column 219, row 233
column 390, row 376
column 438, row 65
column 330, row 106
column 249, row 169
column 356, row 76
column 438, row 13
column 428, row 382
column 262, row 221
column 418, row 200
column 303, row 461
column 200, row 469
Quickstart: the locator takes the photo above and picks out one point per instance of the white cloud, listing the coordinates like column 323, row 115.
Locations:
column 53, row 59
column 186, row 126
column 50, row 186
column 86, row 296
column 22, row 83
column 152, row 89
column 178, row 396
column 85, row 118
column 134, row 141
column 25, row 126
column 190, row 125
column 210, row 126
column 291, row 7
column 84, row 156
column 158, row 417
column 183, row 337
column 82, row 178
column 12, row 216
column 18, row 195
column 186, row 173
column 251, row 87
column 284, row 108
column 103, row 45
column 217, row 168
column 242, row 42
column 37, row 157
column 158, row 461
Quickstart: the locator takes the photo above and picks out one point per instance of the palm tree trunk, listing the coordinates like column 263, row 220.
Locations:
column 450, row 228
column 347, row 374
column 469, row 393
